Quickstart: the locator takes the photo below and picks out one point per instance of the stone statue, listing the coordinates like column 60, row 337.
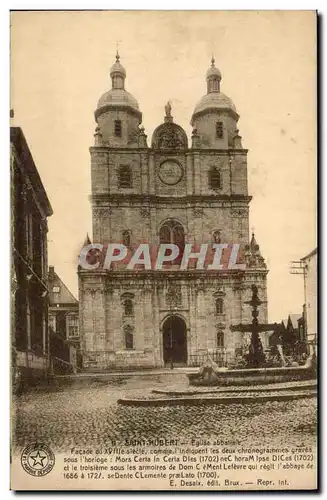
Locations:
column 168, row 109
column 217, row 236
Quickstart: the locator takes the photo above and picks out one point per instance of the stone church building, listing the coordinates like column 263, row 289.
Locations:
column 171, row 191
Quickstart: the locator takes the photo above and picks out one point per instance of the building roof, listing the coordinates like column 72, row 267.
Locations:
column 117, row 67
column 117, row 97
column 213, row 72
column 214, row 100
column 25, row 157
column 64, row 295
column 293, row 318
column 311, row 254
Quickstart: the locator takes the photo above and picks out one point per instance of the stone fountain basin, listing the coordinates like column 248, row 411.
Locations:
column 253, row 376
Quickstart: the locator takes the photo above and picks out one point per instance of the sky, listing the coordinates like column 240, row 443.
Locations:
column 60, row 63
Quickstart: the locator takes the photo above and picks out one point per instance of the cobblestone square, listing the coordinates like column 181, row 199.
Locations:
column 89, row 415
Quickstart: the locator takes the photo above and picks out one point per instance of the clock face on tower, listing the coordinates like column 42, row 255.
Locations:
column 170, row 172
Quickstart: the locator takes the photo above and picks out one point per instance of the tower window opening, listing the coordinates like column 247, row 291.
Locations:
column 220, row 339
column 128, row 307
column 117, row 82
column 214, row 178
column 125, row 176
column 118, row 129
column 213, row 85
column 219, row 130
column 129, row 337
column 219, row 306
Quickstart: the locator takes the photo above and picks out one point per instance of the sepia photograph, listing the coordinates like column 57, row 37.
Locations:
column 163, row 194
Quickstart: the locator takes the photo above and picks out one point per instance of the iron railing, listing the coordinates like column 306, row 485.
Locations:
column 220, row 356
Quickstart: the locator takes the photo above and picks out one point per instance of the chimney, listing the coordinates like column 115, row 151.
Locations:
column 51, row 273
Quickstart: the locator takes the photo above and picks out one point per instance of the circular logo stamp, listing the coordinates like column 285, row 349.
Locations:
column 37, row 459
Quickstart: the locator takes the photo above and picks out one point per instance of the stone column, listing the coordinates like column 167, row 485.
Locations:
column 192, row 337
column 117, row 320
column 144, row 163
column 197, row 173
column 148, row 326
column 157, row 331
column 189, row 174
column 108, row 296
column 86, row 319
column 152, row 174
column 201, row 323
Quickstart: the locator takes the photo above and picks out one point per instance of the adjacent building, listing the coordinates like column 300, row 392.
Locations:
column 291, row 335
column 63, row 326
column 310, row 262
column 171, row 191
column 30, row 209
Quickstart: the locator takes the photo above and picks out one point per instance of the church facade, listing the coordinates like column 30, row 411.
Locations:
column 168, row 192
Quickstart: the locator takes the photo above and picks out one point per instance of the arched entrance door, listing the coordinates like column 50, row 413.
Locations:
column 174, row 340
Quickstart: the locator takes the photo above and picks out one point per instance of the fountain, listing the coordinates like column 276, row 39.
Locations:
column 221, row 385
column 256, row 370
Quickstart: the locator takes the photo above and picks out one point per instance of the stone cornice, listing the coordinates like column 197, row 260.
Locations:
column 190, row 199
column 214, row 109
column 222, row 152
column 176, row 152
column 190, row 275
column 118, row 107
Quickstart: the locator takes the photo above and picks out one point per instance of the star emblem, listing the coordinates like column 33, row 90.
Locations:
column 38, row 459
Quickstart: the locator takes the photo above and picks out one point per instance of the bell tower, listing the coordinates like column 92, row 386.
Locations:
column 215, row 118
column 117, row 113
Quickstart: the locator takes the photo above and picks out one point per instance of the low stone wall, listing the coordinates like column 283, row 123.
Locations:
column 30, row 360
column 119, row 360
column 25, row 378
column 255, row 376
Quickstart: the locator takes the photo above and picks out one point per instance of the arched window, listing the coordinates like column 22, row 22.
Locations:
column 215, row 178
column 125, row 176
column 219, row 130
column 126, row 237
column 129, row 337
column 219, row 306
column 220, row 339
column 173, row 232
column 128, row 307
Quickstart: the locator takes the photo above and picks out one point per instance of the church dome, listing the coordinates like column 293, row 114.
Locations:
column 214, row 100
column 117, row 96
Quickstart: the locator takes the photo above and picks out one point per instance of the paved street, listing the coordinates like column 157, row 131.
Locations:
column 89, row 415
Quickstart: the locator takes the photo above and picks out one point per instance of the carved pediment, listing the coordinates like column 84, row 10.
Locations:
column 169, row 136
